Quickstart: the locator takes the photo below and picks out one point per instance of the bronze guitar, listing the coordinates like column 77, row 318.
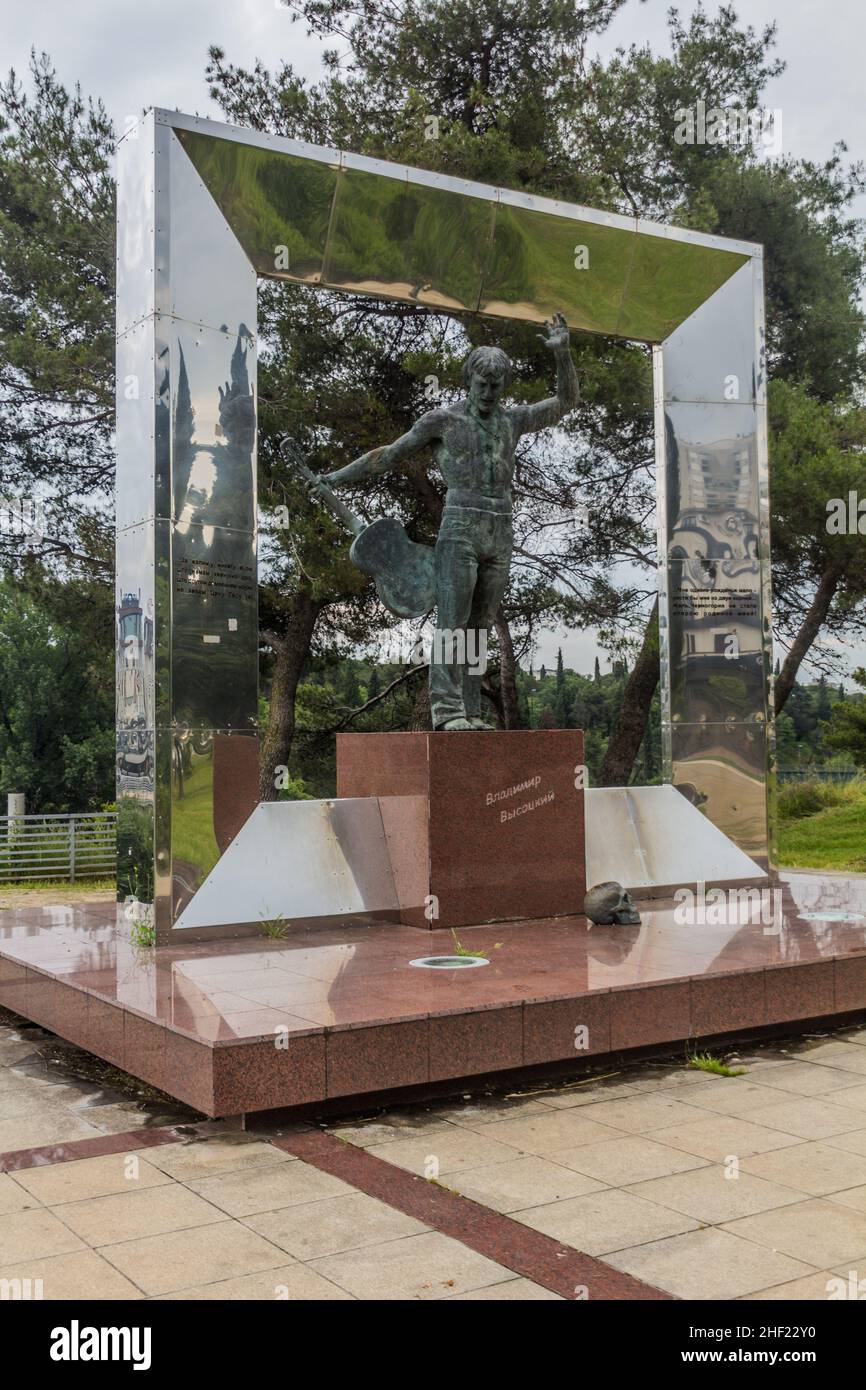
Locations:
column 403, row 570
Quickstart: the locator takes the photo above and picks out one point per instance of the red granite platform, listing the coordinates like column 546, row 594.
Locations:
column 332, row 1013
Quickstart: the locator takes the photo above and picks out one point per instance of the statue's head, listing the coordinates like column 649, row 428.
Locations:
column 487, row 371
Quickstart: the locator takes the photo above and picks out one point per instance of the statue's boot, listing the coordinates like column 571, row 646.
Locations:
column 481, row 724
column 451, row 725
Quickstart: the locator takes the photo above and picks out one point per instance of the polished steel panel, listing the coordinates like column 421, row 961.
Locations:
column 411, row 242
column 214, row 628
column 194, row 846
column 653, row 837
column 363, row 224
column 277, row 205
column 136, row 213
column 540, row 264
column 715, row 640
column 714, row 542
column 711, row 356
column 722, row 769
column 712, row 486
column 300, row 860
column 213, row 419
column 186, row 508
column 135, row 629
column 217, row 289
column 668, row 278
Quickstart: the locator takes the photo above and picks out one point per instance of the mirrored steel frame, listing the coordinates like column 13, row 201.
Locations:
column 203, row 210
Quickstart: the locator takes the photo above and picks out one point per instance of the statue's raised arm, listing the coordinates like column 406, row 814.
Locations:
column 549, row 412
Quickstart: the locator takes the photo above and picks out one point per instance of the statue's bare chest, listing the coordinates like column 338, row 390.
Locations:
column 478, row 454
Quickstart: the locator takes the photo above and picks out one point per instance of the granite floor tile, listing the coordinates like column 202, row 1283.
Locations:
column 332, row 1225
column 511, row 1291
column 809, row 1117
column 123, row 1216
column 83, row 1178
column 708, row 1264
column 818, row 1231
column 33, row 1234
column 80, row 1274
column 430, row 1266
column 605, row 1221
column 720, row 1136
column 543, row 1134
column 204, row 1157
column 13, row 1197
column 641, row 1114
column 293, row 1283
column 521, row 1182
column 186, row 1259
column 268, row 1188
column 816, row 1168
column 630, row 1159
column 440, row 1153
column 711, row 1197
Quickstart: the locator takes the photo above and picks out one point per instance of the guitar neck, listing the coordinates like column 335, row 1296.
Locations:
column 334, row 503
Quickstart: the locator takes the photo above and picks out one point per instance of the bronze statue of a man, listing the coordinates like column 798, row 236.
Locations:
column 474, row 443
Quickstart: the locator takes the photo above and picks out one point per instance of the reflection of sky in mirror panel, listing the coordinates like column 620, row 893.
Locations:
column 135, row 214
column 135, row 422
column 408, row 241
column 213, row 426
column 711, row 357
column 270, row 200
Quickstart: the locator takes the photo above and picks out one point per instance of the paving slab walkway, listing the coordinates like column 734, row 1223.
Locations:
column 660, row 1181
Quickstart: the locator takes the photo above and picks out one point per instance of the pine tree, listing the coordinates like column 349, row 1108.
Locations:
column 560, row 670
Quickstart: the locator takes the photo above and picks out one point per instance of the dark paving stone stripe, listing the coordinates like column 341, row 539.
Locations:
column 529, row 1253
column 97, row 1147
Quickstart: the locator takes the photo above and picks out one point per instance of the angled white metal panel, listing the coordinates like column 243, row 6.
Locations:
column 299, row 860
column 652, row 837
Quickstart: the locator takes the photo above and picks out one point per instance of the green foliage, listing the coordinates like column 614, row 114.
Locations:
column 143, row 933
column 704, row 1061
column 275, row 928
column 56, row 694
column 795, row 800
column 57, row 259
column 134, row 850
column 848, row 725
column 834, row 838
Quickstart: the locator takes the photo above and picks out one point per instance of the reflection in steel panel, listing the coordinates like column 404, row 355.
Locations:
column 214, row 625
column 300, row 860
column 408, row 241
column 271, row 200
column 715, row 640
column 711, row 357
column 540, row 264
column 193, row 276
column 722, row 768
column 362, row 224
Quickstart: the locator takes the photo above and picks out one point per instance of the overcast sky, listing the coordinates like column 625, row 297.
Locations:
column 136, row 55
